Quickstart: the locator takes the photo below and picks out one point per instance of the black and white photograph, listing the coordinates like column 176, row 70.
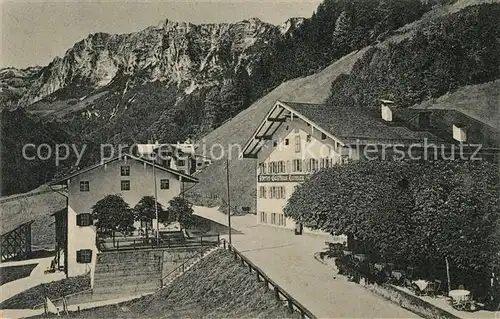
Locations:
column 302, row 159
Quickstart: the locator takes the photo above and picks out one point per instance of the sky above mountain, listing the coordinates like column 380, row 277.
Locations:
column 33, row 33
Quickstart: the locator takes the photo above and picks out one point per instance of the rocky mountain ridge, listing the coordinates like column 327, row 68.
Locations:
column 180, row 53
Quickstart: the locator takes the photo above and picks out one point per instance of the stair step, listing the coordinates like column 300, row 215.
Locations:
column 127, row 289
column 126, row 270
column 119, row 280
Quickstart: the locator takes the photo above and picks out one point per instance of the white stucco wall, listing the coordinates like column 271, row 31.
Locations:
column 106, row 180
column 317, row 148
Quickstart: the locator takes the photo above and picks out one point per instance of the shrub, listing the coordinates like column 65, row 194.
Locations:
column 410, row 213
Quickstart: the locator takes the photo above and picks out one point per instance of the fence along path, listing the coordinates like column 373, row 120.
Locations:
column 279, row 293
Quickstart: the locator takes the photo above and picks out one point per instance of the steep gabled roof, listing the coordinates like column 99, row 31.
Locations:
column 350, row 124
column 343, row 125
column 169, row 170
column 442, row 121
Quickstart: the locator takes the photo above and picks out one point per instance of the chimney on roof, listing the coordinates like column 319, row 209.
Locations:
column 386, row 110
column 459, row 133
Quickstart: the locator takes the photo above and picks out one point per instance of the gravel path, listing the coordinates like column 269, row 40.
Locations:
column 289, row 261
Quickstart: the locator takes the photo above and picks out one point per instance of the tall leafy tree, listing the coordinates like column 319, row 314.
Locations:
column 181, row 211
column 113, row 215
column 145, row 211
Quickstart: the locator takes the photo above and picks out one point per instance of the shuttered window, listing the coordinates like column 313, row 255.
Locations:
column 84, row 219
column 84, row 256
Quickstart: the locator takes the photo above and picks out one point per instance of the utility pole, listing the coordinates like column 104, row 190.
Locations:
column 156, row 200
column 228, row 200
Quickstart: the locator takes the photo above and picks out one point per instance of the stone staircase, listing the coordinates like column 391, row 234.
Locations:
column 122, row 273
column 127, row 273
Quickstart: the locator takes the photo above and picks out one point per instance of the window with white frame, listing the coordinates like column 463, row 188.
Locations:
column 262, row 192
column 277, row 192
column 262, row 168
column 314, row 164
column 263, row 217
column 273, row 219
column 297, row 165
column 281, row 166
column 281, row 220
column 297, row 144
column 282, row 192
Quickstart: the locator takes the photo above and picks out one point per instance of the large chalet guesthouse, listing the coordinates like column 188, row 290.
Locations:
column 296, row 139
column 130, row 176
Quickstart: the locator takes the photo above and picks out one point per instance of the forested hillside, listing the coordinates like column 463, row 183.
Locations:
column 21, row 173
column 443, row 55
column 178, row 79
column 447, row 53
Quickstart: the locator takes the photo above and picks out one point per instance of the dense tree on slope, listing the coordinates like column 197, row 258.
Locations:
column 410, row 213
column 448, row 53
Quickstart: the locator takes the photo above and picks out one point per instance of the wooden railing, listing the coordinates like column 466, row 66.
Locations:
column 145, row 243
column 58, row 302
column 279, row 293
column 185, row 264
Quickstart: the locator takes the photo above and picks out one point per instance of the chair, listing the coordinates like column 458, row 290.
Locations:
column 438, row 285
column 409, row 272
column 432, row 288
column 411, row 286
column 464, row 304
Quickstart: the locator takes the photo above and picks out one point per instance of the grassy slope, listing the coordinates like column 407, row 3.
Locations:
column 217, row 287
column 312, row 89
column 480, row 102
column 53, row 290
column 11, row 273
